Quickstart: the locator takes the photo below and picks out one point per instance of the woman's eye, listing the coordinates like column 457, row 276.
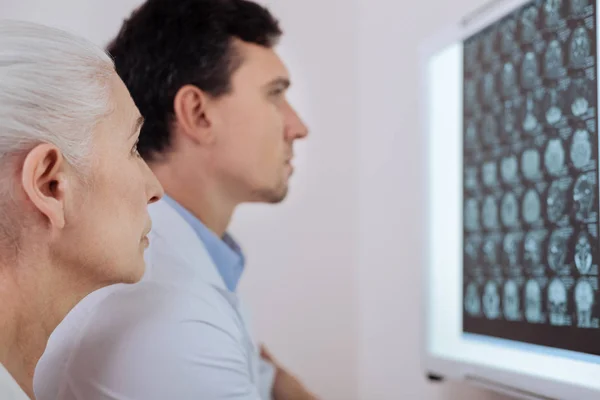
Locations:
column 134, row 150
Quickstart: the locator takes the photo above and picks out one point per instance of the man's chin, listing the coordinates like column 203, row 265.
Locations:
column 271, row 196
column 277, row 199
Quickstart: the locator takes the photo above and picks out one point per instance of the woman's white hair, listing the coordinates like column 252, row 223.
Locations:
column 54, row 88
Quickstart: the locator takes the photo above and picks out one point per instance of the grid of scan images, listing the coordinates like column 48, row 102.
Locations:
column 531, row 177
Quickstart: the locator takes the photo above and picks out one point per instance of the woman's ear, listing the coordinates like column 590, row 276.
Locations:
column 45, row 182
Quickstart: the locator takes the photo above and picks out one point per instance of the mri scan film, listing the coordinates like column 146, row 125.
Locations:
column 530, row 187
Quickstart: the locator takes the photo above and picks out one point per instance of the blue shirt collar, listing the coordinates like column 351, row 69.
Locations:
column 225, row 252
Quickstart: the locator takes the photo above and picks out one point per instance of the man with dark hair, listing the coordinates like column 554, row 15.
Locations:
column 218, row 132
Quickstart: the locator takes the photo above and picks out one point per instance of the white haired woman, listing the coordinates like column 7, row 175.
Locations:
column 73, row 190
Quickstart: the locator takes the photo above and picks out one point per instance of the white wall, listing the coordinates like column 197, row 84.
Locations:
column 391, row 201
column 333, row 274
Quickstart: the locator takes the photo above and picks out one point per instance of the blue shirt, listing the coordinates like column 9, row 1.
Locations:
column 225, row 252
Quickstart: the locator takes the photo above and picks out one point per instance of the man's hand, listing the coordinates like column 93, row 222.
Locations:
column 286, row 386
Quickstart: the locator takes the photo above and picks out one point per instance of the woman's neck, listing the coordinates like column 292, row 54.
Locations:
column 23, row 338
column 33, row 303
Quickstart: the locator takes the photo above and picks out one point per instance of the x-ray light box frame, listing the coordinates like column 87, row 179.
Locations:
column 520, row 370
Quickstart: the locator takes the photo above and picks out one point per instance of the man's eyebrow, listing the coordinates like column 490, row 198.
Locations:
column 138, row 124
column 279, row 83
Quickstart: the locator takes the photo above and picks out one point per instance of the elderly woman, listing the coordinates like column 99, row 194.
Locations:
column 73, row 189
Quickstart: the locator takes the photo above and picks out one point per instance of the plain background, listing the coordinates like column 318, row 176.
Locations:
column 334, row 272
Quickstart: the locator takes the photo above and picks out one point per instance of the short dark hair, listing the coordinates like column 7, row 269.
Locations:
column 165, row 45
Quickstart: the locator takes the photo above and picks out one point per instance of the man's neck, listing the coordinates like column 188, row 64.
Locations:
column 214, row 216
column 203, row 199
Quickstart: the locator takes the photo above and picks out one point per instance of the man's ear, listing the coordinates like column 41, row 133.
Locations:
column 45, row 182
column 190, row 106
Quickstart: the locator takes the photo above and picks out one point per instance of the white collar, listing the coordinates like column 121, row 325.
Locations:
column 176, row 254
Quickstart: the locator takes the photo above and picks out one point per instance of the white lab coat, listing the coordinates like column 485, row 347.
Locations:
column 179, row 334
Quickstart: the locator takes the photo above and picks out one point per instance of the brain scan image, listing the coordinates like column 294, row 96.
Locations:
column 554, row 157
column 530, row 120
column 511, row 300
column 532, row 207
column 584, row 300
column 580, row 94
column 489, row 88
column 553, row 60
column 490, row 252
column 552, row 12
column 472, row 251
column 533, row 302
column 556, row 201
column 509, row 168
column 509, row 119
column 528, row 23
column 581, row 149
column 530, row 164
column 580, row 48
column 583, row 195
column 489, row 129
column 471, row 134
column 557, row 302
column 489, row 46
column 507, row 36
column 472, row 303
column 529, row 71
column 532, row 250
column 583, row 253
column 490, row 213
column 552, row 105
column 510, row 248
column 509, row 210
column 471, row 178
column 491, row 301
column 489, row 173
column 471, row 215
column 509, row 80
column 557, row 250
column 578, row 7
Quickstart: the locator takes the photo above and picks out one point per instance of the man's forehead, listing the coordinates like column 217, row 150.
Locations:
column 260, row 61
